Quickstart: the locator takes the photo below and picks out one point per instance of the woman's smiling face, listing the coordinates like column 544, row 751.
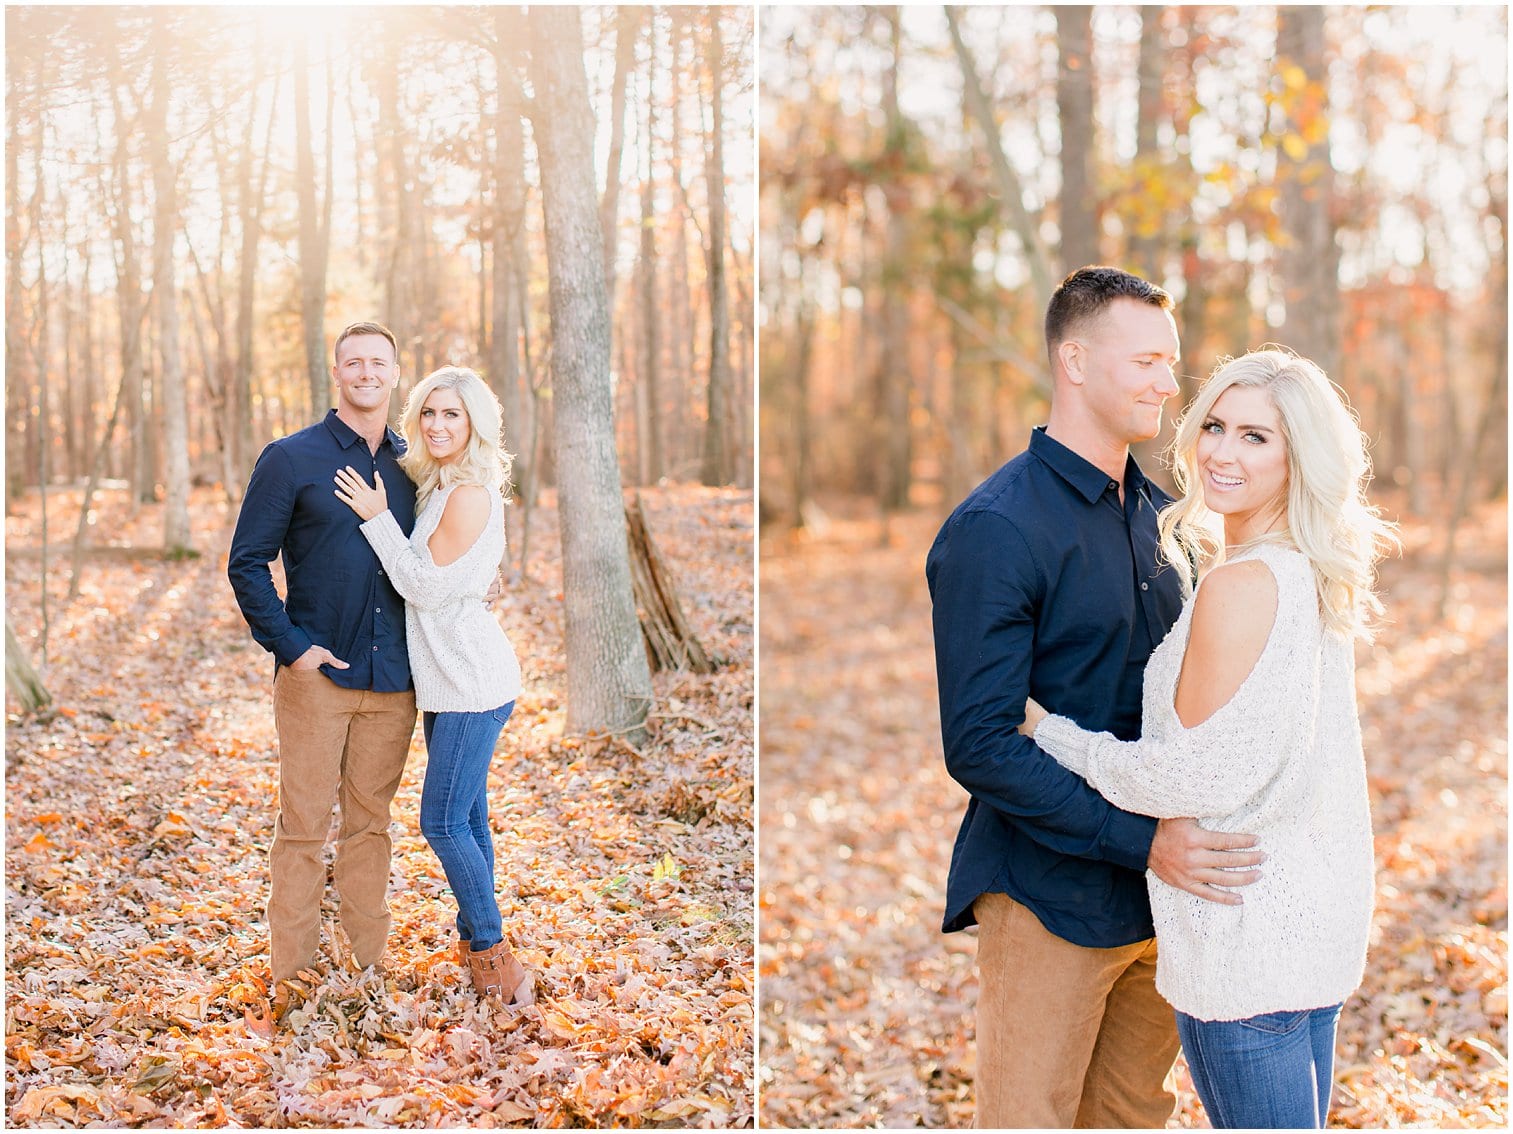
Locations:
column 444, row 425
column 1242, row 458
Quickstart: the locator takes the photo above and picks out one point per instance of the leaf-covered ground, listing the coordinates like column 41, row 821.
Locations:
column 867, row 1009
column 138, row 818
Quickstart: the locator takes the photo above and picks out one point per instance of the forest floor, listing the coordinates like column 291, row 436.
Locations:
column 867, row 1009
column 138, row 816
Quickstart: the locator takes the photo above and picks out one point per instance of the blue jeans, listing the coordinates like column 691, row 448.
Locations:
column 454, row 814
column 1273, row 1072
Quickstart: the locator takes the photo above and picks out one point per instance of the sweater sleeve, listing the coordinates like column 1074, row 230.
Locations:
column 1215, row 767
column 1206, row 771
column 421, row 583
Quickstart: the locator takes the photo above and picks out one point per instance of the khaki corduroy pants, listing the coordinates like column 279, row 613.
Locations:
column 336, row 746
column 1066, row 1035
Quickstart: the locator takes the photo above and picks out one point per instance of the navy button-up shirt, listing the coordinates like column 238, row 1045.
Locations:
column 338, row 595
column 1044, row 585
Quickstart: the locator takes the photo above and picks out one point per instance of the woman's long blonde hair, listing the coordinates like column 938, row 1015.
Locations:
column 484, row 461
column 1327, row 517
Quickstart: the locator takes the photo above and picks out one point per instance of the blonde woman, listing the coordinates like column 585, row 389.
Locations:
column 465, row 671
column 1250, row 724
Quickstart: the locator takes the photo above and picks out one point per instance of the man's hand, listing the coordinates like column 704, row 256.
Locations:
column 1189, row 858
column 496, row 589
column 1034, row 713
column 315, row 657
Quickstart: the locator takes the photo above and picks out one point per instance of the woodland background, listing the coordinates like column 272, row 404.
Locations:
column 1330, row 178
column 1334, row 179
column 198, row 198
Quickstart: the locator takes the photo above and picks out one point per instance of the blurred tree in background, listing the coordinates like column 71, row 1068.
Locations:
column 198, row 199
column 1333, row 179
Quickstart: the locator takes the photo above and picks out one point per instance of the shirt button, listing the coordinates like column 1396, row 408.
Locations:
column 1145, row 586
column 380, row 610
column 375, row 649
column 1114, row 484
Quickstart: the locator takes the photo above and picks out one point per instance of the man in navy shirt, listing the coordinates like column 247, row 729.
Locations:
column 343, row 702
column 1046, row 583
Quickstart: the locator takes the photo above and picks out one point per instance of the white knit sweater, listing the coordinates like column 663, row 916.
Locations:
column 459, row 656
column 1281, row 760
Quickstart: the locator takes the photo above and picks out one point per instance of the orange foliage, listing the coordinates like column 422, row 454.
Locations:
column 137, row 831
column 867, row 1008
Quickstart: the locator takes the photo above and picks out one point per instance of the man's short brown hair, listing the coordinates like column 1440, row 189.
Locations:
column 1086, row 292
column 364, row 329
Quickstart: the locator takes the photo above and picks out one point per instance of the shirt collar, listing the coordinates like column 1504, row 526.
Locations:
column 346, row 436
column 1089, row 480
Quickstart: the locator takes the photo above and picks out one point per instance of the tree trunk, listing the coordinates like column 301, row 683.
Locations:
column 215, row 384
column 128, row 291
column 1496, row 413
column 15, row 295
column 43, row 430
column 102, row 451
column 893, row 449
column 67, row 410
column 1400, row 362
column 1145, row 248
column 176, row 535
column 743, row 400
column 627, row 32
column 1310, row 261
column 314, row 237
column 650, row 347
column 215, row 442
column 216, row 363
column 238, row 427
column 535, row 375
column 609, row 684
column 1074, row 102
column 633, row 389
column 1492, row 420
column 718, row 432
column 537, row 383
column 679, row 318
column 482, row 221
column 397, row 220
column 152, row 393
column 509, row 223
column 1011, row 192
column 20, row 678
column 1195, row 274
column 88, row 365
column 803, row 425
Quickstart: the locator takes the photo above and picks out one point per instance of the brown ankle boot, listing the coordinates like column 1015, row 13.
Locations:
column 464, row 947
column 496, row 972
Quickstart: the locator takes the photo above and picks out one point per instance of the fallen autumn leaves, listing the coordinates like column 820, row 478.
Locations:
column 137, row 823
column 867, row 1009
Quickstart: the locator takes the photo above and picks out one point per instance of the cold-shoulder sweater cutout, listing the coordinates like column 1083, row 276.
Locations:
column 1281, row 760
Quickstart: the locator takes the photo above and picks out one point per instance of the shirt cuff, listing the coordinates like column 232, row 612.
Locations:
column 1071, row 746
column 292, row 646
column 1126, row 839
